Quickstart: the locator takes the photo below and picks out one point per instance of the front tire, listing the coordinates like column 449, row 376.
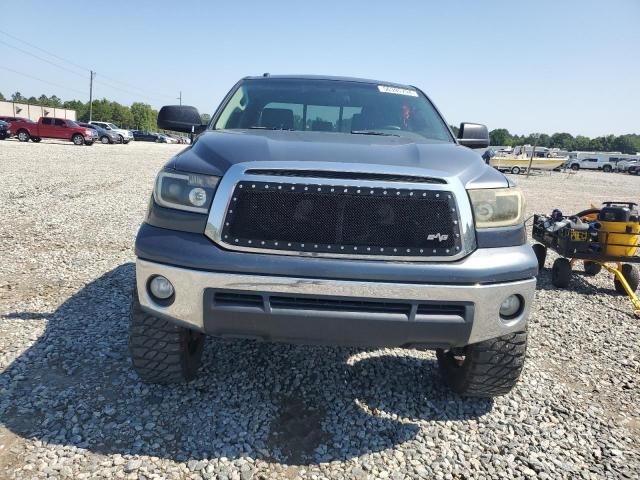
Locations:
column 120, row 139
column 23, row 135
column 105, row 140
column 541, row 254
column 592, row 268
column 561, row 273
column 575, row 167
column 515, row 170
column 77, row 139
column 606, row 168
column 631, row 275
column 161, row 351
column 486, row 369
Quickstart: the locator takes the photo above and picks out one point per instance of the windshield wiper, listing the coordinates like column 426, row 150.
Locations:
column 258, row 127
column 373, row 132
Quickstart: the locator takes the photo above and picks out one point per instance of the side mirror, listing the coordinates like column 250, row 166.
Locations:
column 473, row 135
column 180, row 118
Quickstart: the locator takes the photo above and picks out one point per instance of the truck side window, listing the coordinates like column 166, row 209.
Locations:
column 47, row 121
column 59, row 123
column 230, row 117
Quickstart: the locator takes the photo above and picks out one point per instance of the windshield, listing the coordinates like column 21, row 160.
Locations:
column 71, row 123
column 113, row 126
column 332, row 106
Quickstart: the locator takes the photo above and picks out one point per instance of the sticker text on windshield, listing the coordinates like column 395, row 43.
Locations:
column 397, row 91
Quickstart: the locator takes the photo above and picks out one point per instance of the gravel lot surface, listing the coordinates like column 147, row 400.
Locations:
column 71, row 407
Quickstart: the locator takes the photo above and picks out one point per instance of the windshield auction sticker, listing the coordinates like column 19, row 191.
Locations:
column 397, row 91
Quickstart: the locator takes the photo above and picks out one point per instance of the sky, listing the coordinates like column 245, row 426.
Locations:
column 528, row 66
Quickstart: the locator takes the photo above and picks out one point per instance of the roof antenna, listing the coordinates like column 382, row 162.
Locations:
column 266, row 74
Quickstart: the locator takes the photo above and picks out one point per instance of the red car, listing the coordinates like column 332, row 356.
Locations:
column 47, row 127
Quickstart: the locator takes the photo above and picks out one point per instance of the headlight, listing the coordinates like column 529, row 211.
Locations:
column 497, row 207
column 185, row 191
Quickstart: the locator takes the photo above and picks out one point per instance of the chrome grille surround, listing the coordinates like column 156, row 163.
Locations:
column 238, row 173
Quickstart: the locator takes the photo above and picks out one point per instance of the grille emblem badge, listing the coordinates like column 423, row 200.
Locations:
column 438, row 236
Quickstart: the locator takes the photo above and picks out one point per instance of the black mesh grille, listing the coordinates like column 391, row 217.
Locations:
column 353, row 220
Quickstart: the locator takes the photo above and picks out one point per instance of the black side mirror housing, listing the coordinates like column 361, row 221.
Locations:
column 180, row 118
column 473, row 135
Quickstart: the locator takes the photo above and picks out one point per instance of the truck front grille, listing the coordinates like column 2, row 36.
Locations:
column 354, row 220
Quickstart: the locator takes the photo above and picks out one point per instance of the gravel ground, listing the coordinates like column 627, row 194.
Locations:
column 71, row 407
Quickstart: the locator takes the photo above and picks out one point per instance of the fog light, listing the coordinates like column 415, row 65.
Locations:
column 198, row 197
column 161, row 288
column 511, row 306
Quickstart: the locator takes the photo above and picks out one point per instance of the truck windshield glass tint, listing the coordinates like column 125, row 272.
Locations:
column 332, row 106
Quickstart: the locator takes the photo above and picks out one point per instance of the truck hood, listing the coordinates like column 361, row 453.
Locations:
column 213, row 152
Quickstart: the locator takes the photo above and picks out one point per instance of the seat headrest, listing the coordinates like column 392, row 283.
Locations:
column 356, row 121
column 321, row 126
column 278, row 118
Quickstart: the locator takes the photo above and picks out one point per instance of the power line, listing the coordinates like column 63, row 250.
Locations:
column 155, row 94
column 44, row 51
column 40, row 58
column 41, row 80
column 125, row 90
column 85, row 69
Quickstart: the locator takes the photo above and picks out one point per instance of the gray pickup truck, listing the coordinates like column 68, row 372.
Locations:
column 341, row 211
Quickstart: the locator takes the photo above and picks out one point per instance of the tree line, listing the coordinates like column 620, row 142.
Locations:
column 629, row 144
column 139, row 116
column 142, row 116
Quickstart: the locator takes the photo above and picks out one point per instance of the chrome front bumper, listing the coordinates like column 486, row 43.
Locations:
column 188, row 307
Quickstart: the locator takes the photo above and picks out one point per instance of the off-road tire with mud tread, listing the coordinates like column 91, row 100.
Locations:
column 161, row 351
column 561, row 273
column 631, row 275
column 490, row 368
column 541, row 254
column 592, row 268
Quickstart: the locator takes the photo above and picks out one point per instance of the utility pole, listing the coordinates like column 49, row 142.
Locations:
column 180, row 98
column 93, row 74
column 533, row 152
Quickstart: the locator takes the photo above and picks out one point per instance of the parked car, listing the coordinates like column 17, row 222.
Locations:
column 15, row 119
column 9, row 120
column 375, row 227
column 48, row 127
column 104, row 136
column 5, row 129
column 164, row 138
column 125, row 136
column 634, row 169
column 176, row 138
column 142, row 136
column 623, row 165
column 594, row 163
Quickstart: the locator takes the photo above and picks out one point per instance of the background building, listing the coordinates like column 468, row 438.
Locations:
column 34, row 112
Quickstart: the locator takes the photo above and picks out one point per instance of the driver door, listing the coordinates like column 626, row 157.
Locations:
column 60, row 129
